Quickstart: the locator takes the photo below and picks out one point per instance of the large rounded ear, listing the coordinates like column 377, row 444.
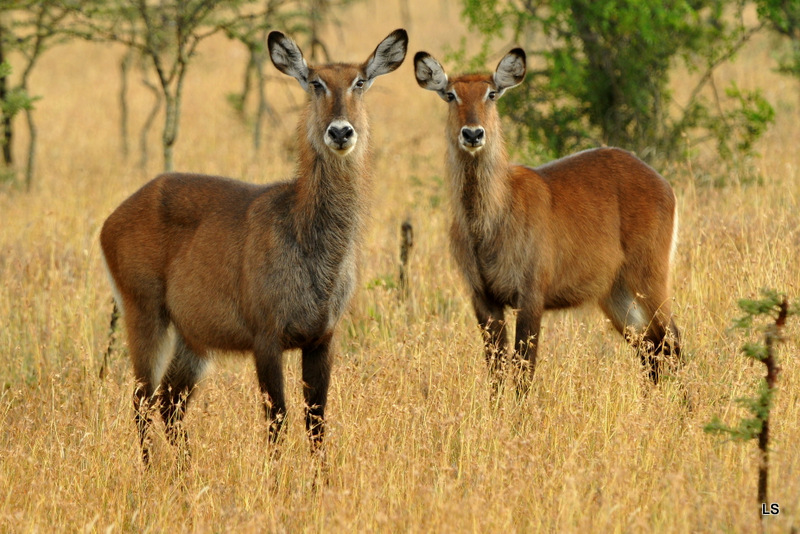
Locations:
column 430, row 73
column 510, row 71
column 388, row 55
column 287, row 57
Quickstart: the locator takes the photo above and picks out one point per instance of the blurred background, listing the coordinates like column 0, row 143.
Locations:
column 100, row 96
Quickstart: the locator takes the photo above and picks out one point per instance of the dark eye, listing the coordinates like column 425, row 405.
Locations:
column 492, row 95
column 360, row 84
column 450, row 96
column 317, row 86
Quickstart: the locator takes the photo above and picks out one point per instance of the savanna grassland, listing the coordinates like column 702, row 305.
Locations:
column 414, row 443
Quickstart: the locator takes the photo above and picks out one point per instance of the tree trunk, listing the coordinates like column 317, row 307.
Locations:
column 171, row 123
column 262, row 101
column 8, row 132
column 148, row 123
column 29, row 167
column 124, row 68
column 773, row 336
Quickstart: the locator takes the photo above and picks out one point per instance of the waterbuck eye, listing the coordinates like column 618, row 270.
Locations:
column 492, row 95
column 360, row 84
column 317, row 86
column 450, row 96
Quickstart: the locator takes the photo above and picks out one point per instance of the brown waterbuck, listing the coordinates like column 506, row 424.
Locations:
column 598, row 226
column 202, row 263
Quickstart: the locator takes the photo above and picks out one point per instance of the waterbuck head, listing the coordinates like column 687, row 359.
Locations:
column 473, row 121
column 336, row 117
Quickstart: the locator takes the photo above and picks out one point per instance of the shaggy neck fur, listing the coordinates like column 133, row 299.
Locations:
column 479, row 186
column 332, row 194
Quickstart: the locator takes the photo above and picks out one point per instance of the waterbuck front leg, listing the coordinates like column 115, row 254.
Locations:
column 526, row 344
column 316, row 379
column 491, row 319
column 269, row 367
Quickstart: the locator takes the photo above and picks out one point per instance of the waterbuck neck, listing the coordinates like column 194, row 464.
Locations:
column 332, row 193
column 479, row 187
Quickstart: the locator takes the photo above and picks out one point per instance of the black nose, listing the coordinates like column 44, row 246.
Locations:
column 340, row 135
column 472, row 136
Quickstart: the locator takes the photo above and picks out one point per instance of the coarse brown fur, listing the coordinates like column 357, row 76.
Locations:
column 597, row 226
column 202, row 263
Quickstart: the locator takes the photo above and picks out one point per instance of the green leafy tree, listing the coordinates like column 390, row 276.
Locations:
column 775, row 308
column 27, row 29
column 783, row 17
column 605, row 68
column 167, row 33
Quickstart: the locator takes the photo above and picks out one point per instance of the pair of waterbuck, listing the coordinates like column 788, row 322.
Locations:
column 202, row 263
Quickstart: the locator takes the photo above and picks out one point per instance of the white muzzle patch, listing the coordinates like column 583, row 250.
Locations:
column 341, row 137
column 472, row 139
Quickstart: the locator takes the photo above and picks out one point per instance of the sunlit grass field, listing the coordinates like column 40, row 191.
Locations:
column 414, row 443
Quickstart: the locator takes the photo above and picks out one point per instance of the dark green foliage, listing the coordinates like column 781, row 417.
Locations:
column 773, row 306
column 747, row 428
column 28, row 28
column 769, row 305
column 605, row 73
column 784, row 17
column 17, row 99
column 743, row 125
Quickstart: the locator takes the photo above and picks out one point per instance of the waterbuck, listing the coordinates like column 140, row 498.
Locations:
column 599, row 225
column 202, row 263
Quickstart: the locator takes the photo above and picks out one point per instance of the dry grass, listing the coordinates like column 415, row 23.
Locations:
column 414, row 444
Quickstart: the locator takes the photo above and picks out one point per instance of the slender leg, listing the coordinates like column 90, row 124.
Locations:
column 529, row 323
column 177, row 387
column 269, row 367
column 112, row 331
column 661, row 345
column 632, row 321
column 317, row 362
column 148, row 344
column 143, row 415
column 491, row 319
column 674, row 341
column 642, row 321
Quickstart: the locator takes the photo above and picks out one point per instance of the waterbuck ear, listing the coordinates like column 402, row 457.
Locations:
column 430, row 74
column 287, row 57
column 510, row 71
column 389, row 55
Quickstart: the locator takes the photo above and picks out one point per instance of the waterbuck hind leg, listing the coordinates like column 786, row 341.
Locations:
column 642, row 321
column 674, row 340
column 149, row 344
column 269, row 367
column 529, row 323
column 177, row 387
column 492, row 321
column 112, row 331
column 316, row 379
column 661, row 350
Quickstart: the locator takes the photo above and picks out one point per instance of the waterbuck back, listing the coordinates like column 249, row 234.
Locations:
column 202, row 263
column 598, row 226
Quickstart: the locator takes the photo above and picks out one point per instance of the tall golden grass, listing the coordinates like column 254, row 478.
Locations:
column 414, row 442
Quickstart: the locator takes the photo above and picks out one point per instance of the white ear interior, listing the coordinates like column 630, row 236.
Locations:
column 430, row 74
column 287, row 57
column 389, row 55
column 510, row 71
